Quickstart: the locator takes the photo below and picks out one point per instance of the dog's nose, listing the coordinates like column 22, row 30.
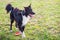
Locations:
column 33, row 13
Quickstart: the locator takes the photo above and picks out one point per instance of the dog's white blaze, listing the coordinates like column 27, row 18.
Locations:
column 25, row 20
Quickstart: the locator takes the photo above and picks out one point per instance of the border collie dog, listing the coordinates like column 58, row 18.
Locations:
column 21, row 17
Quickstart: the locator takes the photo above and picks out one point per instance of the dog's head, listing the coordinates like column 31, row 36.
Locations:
column 29, row 11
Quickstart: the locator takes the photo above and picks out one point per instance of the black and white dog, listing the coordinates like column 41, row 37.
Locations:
column 21, row 17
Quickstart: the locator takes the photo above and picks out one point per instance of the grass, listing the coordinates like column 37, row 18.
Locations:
column 45, row 25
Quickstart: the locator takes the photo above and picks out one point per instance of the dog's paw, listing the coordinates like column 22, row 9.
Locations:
column 23, row 35
column 11, row 31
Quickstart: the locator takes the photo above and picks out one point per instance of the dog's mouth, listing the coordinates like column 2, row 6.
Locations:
column 31, row 15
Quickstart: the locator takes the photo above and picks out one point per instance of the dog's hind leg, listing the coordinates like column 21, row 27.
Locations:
column 11, row 25
column 16, row 26
column 12, row 20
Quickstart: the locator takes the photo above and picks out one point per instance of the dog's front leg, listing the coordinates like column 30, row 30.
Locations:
column 23, row 35
column 22, row 31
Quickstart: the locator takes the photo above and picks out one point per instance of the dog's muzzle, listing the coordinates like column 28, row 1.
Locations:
column 31, row 15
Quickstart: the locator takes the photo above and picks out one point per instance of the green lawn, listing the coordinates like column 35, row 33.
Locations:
column 45, row 25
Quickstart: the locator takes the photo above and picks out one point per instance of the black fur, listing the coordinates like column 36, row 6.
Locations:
column 9, row 8
column 17, row 14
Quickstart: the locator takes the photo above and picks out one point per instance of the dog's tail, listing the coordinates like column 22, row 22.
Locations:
column 9, row 8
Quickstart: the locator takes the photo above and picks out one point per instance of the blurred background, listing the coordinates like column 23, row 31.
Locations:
column 44, row 26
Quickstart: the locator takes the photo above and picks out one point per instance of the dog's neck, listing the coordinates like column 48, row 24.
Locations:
column 25, row 13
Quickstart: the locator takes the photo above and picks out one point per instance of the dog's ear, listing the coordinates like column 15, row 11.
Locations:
column 29, row 5
column 25, row 8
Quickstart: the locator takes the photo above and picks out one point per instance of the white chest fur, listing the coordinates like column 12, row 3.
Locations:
column 25, row 20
